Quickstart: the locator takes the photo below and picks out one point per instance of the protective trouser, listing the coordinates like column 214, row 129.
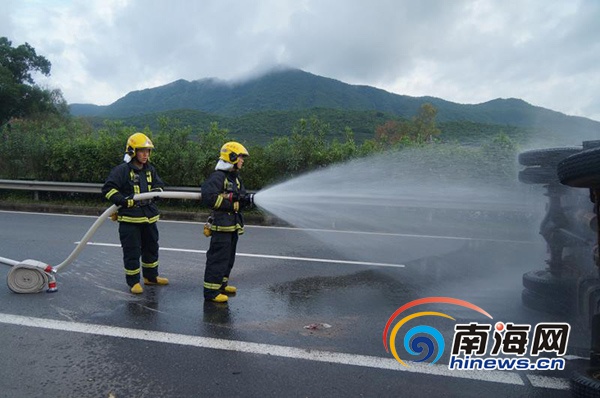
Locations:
column 219, row 262
column 139, row 240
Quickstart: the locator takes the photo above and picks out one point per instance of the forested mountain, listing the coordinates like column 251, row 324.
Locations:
column 291, row 90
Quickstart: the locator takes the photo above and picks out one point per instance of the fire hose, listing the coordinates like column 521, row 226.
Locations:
column 32, row 276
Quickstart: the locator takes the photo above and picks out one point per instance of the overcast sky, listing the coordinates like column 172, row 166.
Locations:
column 545, row 52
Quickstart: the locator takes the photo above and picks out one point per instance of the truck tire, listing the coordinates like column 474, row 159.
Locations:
column 546, row 157
column 581, row 170
column 538, row 175
column 586, row 383
column 544, row 283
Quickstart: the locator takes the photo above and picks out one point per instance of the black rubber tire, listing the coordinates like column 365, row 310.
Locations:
column 586, row 384
column 546, row 303
column 546, row 157
column 581, row 170
column 544, row 283
column 538, row 175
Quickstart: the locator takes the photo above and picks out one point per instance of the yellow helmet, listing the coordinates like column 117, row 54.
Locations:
column 137, row 141
column 231, row 151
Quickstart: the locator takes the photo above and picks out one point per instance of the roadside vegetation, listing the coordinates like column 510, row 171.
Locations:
column 56, row 148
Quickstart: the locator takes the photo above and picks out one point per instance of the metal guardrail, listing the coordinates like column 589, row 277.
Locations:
column 75, row 187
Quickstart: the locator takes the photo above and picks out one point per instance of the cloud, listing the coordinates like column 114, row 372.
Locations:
column 464, row 51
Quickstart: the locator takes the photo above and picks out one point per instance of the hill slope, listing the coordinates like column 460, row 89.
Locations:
column 294, row 90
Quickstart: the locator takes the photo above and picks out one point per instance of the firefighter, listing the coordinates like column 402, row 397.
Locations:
column 224, row 193
column 138, row 231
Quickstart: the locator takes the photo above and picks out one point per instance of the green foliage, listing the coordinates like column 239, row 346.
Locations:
column 423, row 125
column 421, row 128
column 19, row 96
column 174, row 154
column 182, row 161
column 51, row 148
column 304, row 150
column 260, row 128
column 22, row 61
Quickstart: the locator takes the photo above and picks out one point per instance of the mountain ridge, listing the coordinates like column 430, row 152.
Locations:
column 294, row 90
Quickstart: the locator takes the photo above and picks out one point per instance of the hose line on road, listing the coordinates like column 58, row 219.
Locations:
column 31, row 276
column 142, row 196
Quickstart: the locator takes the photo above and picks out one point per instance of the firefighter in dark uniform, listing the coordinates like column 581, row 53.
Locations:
column 137, row 219
column 225, row 194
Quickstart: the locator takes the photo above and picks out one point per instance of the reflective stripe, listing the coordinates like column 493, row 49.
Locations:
column 212, row 286
column 150, row 265
column 149, row 180
column 231, row 228
column 228, row 188
column 111, row 193
column 225, row 279
column 138, row 220
column 132, row 272
column 227, row 184
column 218, row 202
column 136, row 186
column 130, row 203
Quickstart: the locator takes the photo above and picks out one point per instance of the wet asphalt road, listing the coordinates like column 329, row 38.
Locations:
column 93, row 339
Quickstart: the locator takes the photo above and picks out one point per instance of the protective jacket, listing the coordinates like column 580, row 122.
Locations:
column 225, row 216
column 123, row 182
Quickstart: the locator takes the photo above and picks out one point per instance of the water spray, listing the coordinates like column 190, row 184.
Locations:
column 382, row 207
column 33, row 276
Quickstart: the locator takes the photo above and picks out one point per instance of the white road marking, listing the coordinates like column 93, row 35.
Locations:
column 548, row 382
column 505, row 377
column 442, row 237
column 318, row 260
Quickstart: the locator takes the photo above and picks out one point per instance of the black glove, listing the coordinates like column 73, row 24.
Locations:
column 127, row 201
column 247, row 200
column 156, row 198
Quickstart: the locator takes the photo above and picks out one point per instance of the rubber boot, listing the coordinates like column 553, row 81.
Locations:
column 228, row 289
column 159, row 281
column 137, row 289
column 221, row 298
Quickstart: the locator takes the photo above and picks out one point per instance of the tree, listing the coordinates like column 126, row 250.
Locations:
column 392, row 132
column 19, row 95
column 424, row 128
column 419, row 129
